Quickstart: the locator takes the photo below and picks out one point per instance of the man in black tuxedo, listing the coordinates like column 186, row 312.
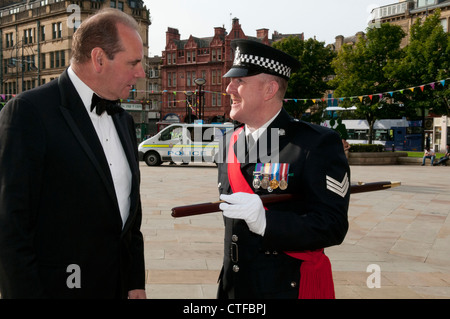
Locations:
column 70, row 208
column 276, row 250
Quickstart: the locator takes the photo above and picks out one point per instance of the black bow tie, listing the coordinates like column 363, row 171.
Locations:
column 102, row 105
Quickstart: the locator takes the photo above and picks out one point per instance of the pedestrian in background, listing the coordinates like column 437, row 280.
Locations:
column 430, row 154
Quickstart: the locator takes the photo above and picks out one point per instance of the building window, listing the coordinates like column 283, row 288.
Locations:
column 57, row 30
column 62, row 57
column 5, row 66
column 172, row 100
column 43, row 65
column 57, row 59
column 29, row 62
column 9, row 40
column 28, row 36
column 444, row 24
column 425, row 3
column 120, row 6
column 112, row 4
column 43, row 33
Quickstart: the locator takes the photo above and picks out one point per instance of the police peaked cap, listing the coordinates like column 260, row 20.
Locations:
column 252, row 58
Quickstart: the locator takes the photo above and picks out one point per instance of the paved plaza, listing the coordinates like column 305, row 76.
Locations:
column 397, row 246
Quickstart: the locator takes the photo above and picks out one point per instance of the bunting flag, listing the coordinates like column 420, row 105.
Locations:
column 370, row 96
column 432, row 85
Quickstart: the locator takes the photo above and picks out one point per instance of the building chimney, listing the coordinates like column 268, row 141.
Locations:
column 172, row 34
column 219, row 31
column 262, row 33
column 339, row 42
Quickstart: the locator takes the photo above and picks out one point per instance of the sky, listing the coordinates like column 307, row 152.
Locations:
column 322, row 19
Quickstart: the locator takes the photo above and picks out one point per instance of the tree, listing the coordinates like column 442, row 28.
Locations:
column 310, row 81
column 359, row 72
column 424, row 60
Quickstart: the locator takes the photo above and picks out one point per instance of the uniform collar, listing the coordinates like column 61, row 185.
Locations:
column 258, row 132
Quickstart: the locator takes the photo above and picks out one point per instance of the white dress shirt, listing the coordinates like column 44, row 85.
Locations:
column 258, row 132
column 112, row 146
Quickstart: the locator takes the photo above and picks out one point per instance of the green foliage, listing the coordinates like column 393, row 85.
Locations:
column 426, row 59
column 309, row 82
column 359, row 71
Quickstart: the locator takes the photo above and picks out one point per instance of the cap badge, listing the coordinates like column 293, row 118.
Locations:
column 237, row 57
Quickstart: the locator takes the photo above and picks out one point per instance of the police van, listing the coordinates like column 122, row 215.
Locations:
column 184, row 143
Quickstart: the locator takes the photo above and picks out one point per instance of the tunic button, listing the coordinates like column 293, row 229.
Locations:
column 275, row 253
column 234, row 238
column 293, row 284
column 235, row 268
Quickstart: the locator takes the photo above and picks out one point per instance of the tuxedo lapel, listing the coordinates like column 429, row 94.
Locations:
column 79, row 122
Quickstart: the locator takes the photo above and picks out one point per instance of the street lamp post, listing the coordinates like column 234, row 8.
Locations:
column 188, row 106
column 200, row 82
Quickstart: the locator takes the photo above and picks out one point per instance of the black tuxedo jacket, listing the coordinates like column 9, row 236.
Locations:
column 256, row 266
column 58, row 206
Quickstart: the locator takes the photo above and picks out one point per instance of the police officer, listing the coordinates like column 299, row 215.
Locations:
column 276, row 250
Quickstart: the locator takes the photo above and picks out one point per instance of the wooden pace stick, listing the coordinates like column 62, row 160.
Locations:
column 205, row 208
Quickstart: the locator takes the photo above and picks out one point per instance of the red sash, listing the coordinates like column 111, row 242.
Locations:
column 316, row 280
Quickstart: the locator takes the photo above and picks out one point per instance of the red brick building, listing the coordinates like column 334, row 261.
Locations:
column 210, row 58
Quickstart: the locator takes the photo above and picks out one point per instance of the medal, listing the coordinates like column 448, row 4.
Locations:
column 284, row 169
column 256, row 182
column 274, row 182
column 265, row 181
column 257, row 176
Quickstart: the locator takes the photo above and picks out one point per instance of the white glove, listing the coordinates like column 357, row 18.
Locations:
column 248, row 207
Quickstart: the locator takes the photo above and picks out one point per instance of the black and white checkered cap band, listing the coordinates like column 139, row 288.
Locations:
column 270, row 64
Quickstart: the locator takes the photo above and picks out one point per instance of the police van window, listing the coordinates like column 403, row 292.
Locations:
column 172, row 133
column 208, row 134
column 191, row 134
column 201, row 134
column 219, row 133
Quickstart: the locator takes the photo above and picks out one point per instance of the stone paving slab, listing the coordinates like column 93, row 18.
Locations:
column 405, row 231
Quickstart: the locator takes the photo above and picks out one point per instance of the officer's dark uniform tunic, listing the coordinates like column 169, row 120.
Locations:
column 319, row 176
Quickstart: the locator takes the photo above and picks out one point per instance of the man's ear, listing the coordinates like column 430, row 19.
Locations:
column 271, row 90
column 97, row 58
